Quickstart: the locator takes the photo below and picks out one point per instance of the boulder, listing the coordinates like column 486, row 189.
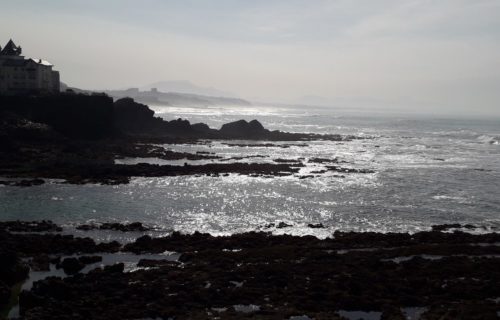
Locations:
column 72, row 265
column 243, row 129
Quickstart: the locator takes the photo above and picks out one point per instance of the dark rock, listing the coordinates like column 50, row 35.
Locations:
column 72, row 265
column 323, row 160
column 149, row 263
column 116, row 268
column 124, row 227
column 203, row 128
column 90, row 259
column 283, row 225
column 285, row 276
column 445, row 227
column 264, row 145
column 130, row 115
column 134, row 226
column 36, row 244
column 309, row 176
column 243, row 129
column 30, row 226
column 316, row 225
column 116, row 173
column 23, row 183
column 40, row 262
column 348, row 170
column 279, row 160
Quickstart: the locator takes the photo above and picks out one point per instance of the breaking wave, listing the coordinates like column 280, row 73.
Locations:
column 489, row 139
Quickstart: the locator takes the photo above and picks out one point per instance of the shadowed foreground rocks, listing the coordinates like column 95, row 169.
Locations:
column 260, row 276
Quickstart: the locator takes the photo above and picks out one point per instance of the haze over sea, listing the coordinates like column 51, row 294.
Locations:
column 427, row 171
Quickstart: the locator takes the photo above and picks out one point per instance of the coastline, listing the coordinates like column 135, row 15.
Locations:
column 79, row 137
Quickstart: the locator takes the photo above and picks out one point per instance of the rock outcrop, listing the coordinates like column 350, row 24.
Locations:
column 243, row 129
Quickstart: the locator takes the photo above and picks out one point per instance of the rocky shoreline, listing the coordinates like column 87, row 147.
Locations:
column 443, row 273
column 77, row 138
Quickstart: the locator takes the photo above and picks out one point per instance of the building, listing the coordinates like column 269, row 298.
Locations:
column 20, row 75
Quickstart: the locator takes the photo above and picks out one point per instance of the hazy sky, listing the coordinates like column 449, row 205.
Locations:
column 431, row 55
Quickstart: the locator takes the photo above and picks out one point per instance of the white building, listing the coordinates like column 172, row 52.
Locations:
column 20, row 75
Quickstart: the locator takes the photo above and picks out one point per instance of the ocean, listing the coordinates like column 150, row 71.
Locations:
column 426, row 171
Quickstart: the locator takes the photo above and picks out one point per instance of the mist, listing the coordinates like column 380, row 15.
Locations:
column 434, row 57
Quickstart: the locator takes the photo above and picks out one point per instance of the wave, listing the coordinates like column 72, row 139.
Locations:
column 489, row 139
column 461, row 132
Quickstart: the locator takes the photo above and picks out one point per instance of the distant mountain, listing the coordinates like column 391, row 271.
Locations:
column 186, row 87
column 155, row 96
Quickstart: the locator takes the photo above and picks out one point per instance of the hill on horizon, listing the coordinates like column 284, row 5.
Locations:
column 183, row 86
column 175, row 98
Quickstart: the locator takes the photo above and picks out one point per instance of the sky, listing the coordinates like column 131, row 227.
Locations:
column 435, row 56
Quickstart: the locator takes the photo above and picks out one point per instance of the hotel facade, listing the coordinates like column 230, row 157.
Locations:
column 20, row 75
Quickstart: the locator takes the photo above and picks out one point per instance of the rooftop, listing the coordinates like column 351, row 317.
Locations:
column 11, row 49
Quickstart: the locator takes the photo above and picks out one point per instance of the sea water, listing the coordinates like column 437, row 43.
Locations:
column 426, row 171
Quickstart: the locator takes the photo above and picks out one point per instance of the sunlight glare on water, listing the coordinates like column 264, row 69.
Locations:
column 425, row 172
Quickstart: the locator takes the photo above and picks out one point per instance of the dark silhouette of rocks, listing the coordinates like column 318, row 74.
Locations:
column 30, row 226
column 243, row 129
column 134, row 118
column 348, row 170
column 264, row 145
column 129, row 115
column 72, row 265
column 446, row 227
column 146, row 151
column 124, row 227
column 137, row 119
column 446, row 274
column 295, row 161
column 23, row 183
column 42, row 262
column 78, row 137
column 315, row 225
column 149, row 263
column 203, row 129
column 95, row 116
column 20, row 240
column 323, row 160
column 74, row 116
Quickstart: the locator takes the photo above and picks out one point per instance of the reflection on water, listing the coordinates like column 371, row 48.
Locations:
column 426, row 172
